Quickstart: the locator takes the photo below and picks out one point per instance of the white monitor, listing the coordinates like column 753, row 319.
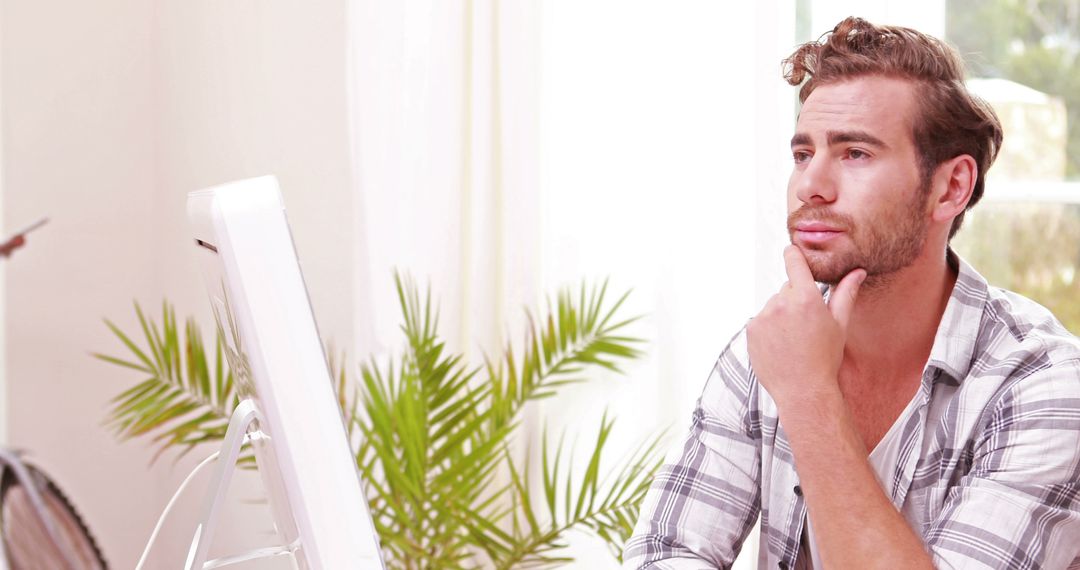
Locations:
column 261, row 307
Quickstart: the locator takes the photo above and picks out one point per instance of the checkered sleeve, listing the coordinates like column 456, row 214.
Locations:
column 1019, row 505
column 704, row 501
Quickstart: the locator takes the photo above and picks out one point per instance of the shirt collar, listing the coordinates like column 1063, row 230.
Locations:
column 954, row 343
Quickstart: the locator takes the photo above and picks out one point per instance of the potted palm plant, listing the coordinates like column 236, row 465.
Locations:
column 437, row 439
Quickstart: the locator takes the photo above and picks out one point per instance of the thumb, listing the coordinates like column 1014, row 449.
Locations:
column 842, row 298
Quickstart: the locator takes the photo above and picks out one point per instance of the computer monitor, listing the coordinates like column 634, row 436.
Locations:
column 262, row 310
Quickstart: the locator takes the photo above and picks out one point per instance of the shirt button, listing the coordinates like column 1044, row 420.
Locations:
column 783, row 565
column 798, row 491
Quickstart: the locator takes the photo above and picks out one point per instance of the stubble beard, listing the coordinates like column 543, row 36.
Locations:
column 882, row 245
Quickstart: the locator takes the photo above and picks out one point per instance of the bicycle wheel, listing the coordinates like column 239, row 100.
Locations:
column 26, row 540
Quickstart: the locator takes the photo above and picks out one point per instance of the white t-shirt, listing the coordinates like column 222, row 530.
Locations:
column 883, row 460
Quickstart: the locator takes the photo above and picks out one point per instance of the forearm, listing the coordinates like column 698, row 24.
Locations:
column 855, row 524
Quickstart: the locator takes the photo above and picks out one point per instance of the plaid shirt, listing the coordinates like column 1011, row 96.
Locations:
column 989, row 465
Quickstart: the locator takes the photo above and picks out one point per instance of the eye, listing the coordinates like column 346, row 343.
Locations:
column 857, row 154
column 801, row 156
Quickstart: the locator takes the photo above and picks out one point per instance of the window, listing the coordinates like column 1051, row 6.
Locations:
column 1023, row 57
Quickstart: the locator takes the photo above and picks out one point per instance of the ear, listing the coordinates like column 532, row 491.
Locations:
column 953, row 183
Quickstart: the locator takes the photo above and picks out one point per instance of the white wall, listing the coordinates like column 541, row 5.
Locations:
column 112, row 112
column 78, row 147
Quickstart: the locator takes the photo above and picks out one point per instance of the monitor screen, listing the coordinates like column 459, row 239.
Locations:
column 262, row 311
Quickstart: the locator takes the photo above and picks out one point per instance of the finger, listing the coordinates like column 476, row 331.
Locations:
column 798, row 271
column 843, row 296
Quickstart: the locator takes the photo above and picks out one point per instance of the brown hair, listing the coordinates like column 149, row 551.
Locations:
column 951, row 120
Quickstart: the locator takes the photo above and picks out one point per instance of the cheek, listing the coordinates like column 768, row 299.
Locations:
column 879, row 219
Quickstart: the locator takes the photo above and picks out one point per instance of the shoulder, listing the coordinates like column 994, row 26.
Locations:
column 731, row 395
column 1033, row 363
column 1024, row 336
column 731, row 375
column 990, row 333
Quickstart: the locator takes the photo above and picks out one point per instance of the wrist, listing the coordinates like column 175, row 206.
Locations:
column 813, row 406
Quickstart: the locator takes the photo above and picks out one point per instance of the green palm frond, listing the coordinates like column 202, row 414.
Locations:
column 606, row 506
column 185, row 398
column 423, row 417
column 578, row 332
column 347, row 392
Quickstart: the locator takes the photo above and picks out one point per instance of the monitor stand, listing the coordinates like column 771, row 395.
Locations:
column 243, row 428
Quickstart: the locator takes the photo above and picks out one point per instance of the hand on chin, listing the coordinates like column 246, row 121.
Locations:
column 796, row 342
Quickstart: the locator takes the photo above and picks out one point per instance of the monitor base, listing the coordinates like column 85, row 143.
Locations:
column 243, row 428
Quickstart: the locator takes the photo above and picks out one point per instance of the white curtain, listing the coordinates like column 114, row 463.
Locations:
column 444, row 131
column 505, row 149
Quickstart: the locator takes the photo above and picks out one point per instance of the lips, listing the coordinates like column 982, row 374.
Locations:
column 815, row 227
column 814, row 233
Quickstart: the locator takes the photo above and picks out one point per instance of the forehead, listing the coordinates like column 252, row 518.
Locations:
column 883, row 106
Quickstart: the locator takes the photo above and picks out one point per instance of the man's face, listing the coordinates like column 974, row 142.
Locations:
column 855, row 197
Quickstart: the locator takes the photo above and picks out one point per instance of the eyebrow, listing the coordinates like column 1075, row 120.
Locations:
column 838, row 137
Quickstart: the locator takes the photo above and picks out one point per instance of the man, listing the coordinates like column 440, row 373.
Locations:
column 909, row 416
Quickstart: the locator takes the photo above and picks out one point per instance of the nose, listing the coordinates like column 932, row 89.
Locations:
column 813, row 184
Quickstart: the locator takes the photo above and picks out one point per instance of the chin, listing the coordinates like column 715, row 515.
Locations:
column 828, row 268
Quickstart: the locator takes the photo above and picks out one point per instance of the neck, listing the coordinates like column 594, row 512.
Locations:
column 895, row 319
